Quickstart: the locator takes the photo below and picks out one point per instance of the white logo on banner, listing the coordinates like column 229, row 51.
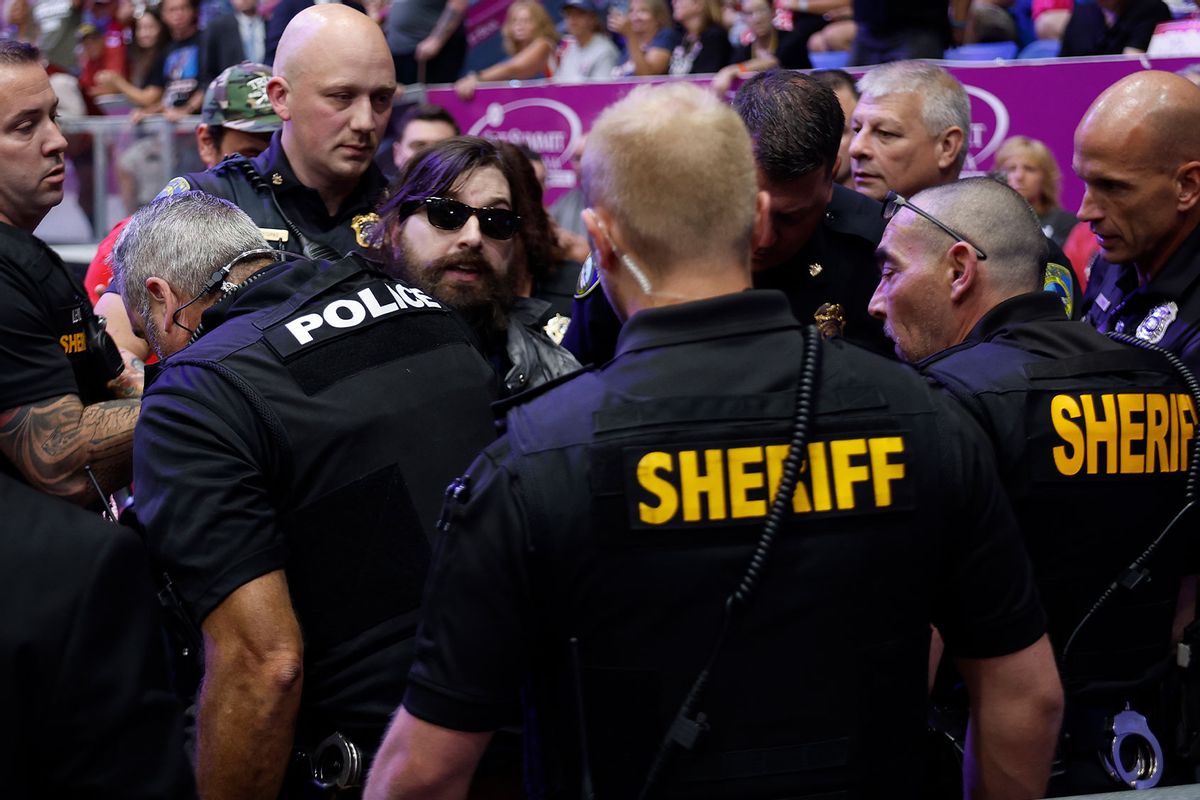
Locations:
column 554, row 143
column 980, row 146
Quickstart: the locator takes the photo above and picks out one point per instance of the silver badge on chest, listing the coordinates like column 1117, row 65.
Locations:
column 1154, row 326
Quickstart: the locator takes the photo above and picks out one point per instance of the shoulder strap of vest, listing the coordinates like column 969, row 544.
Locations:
column 324, row 279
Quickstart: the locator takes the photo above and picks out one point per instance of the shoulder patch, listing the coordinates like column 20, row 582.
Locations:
column 589, row 279
column 175, row 186
column 1060, row 280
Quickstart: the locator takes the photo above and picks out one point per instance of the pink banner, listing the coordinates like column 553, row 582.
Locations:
column 484, row 19
column 1041, row 99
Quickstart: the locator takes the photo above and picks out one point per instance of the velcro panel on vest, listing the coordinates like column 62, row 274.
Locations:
column 358, row 350
column 357, row 557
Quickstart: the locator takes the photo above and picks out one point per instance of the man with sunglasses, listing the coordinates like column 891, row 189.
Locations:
column 818, row 243
column 453, row 226
column 289, row 466
column 1072, row 415
column 313, row 190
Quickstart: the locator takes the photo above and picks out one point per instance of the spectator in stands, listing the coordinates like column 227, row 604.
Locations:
column 832, row 30
column 1050, row 17
column 51, row 24
column 910, row 129
column 705, row 47
column 150, row 40
column 176, row 80
column 1112, row 27
column 419, row 127
column 649, row 35
column 891, row 31
column 761, row 52
column 589, row 53
column 91, row 62
column 529, row 39
column 842, row 84
column 232, row 38
column 113, row 19
column 1029, row 167
column 428, row 39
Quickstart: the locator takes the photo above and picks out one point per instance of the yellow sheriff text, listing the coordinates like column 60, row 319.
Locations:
column 1122, row 433
column 735, row 483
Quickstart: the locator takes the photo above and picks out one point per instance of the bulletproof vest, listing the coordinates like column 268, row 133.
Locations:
column 1094, row 451
column 236, row 180
column 371, row 400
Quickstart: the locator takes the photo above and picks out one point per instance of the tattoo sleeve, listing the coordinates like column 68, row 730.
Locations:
column 448, row 22
column 51, row 441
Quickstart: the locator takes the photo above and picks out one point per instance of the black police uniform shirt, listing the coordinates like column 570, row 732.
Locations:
column 1093, row 440
column 350, row 230
column 1164, row 312
column 313, row 429
column 88, row 710
column 621, row 509
column 43, row 341
column 837, row 265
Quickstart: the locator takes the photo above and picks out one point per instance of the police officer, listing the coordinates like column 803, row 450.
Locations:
column 1074, row 417
column 60, row 408
column 818, row 244
column 592, row 549
column 313, row 190
column 1138, row 153
column 289, row 464
column 83, row 682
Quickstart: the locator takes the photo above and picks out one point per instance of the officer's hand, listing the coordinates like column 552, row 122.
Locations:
column 132, row 380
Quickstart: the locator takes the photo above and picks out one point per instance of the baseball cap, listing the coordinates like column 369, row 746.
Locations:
column 85, row 30
column 237, row 99
column 594, row 6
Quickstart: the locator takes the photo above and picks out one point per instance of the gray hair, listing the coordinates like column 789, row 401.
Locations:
column 997, row 219
column 183, row 239
column 944, row 101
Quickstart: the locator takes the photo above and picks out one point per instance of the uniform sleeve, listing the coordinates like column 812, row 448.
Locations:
column 473, row 645
column 116, row 727
column 33, row 365
column 201, row 461
column 987, row 604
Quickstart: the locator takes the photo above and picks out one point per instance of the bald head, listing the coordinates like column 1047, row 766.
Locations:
column 333, row 88
column 1137, row 151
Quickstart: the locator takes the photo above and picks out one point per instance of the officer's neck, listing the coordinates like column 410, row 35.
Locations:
column 332, row 194
column 1147, row 269
column 683, row 283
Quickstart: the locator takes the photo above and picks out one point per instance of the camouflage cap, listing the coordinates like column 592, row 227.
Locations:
column 237, row 99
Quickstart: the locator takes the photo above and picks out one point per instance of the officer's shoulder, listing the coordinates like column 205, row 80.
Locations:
column 854, row 214
column 210, row 180
column 855, row 378
column 555, row 414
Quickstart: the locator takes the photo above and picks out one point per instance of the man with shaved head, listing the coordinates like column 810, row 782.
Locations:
column 960, row 294
column 1138, row 153
column 313, row 190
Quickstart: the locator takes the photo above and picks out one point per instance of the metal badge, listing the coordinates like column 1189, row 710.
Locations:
column 830, row 319
column 276, row 179
column 815, row 269
column 366, row 229
column 1154, row 326
column 1132, row 734
column 556, row 328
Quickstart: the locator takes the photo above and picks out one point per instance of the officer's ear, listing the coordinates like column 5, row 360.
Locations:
column 279, row 92
column 964, row 270
column 603, row 250
column 205, row 145
column 1187, row 178
column 762, row 217
column 162, row 295
column 949, row 145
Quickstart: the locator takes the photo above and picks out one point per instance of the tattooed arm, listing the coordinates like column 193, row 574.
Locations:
column 50, row 441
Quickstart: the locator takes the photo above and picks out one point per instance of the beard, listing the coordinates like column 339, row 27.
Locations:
column 483, row 303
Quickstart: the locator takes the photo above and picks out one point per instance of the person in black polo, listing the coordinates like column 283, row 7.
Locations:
column 314, row 189
column 289, row 464
column 818, row 244
column 587, row 556
column 1093, row 439
column 64, row 405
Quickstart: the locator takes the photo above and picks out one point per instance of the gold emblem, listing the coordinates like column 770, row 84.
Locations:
column 276, row 179
column 830, row 319
column 365, row 229
column 815, row 269
column 556, row 328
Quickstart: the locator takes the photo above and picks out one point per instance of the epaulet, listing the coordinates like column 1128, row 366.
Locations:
column 500, row 408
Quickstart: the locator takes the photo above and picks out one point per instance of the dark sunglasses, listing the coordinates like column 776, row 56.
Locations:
column 450, row 215
column 894, row 202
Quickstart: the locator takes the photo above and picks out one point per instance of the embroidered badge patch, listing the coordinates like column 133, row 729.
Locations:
column 589, row 279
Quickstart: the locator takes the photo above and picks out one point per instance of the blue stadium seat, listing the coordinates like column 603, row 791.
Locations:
column 838, row 59
column 982, row 52
column 1041, row 48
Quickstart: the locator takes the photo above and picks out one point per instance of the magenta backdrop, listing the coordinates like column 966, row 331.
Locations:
column 1041, row 99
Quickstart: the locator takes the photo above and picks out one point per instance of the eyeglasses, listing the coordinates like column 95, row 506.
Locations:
column 450, row 215
column 894, row 202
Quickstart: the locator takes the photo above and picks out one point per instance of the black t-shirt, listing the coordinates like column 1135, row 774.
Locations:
column 708, row 53
column 313, row 429
column 43, row 346
column 1094, row 457
column 621, row 508
column 1088, row 34
column 884, row 17
column 178, row 72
